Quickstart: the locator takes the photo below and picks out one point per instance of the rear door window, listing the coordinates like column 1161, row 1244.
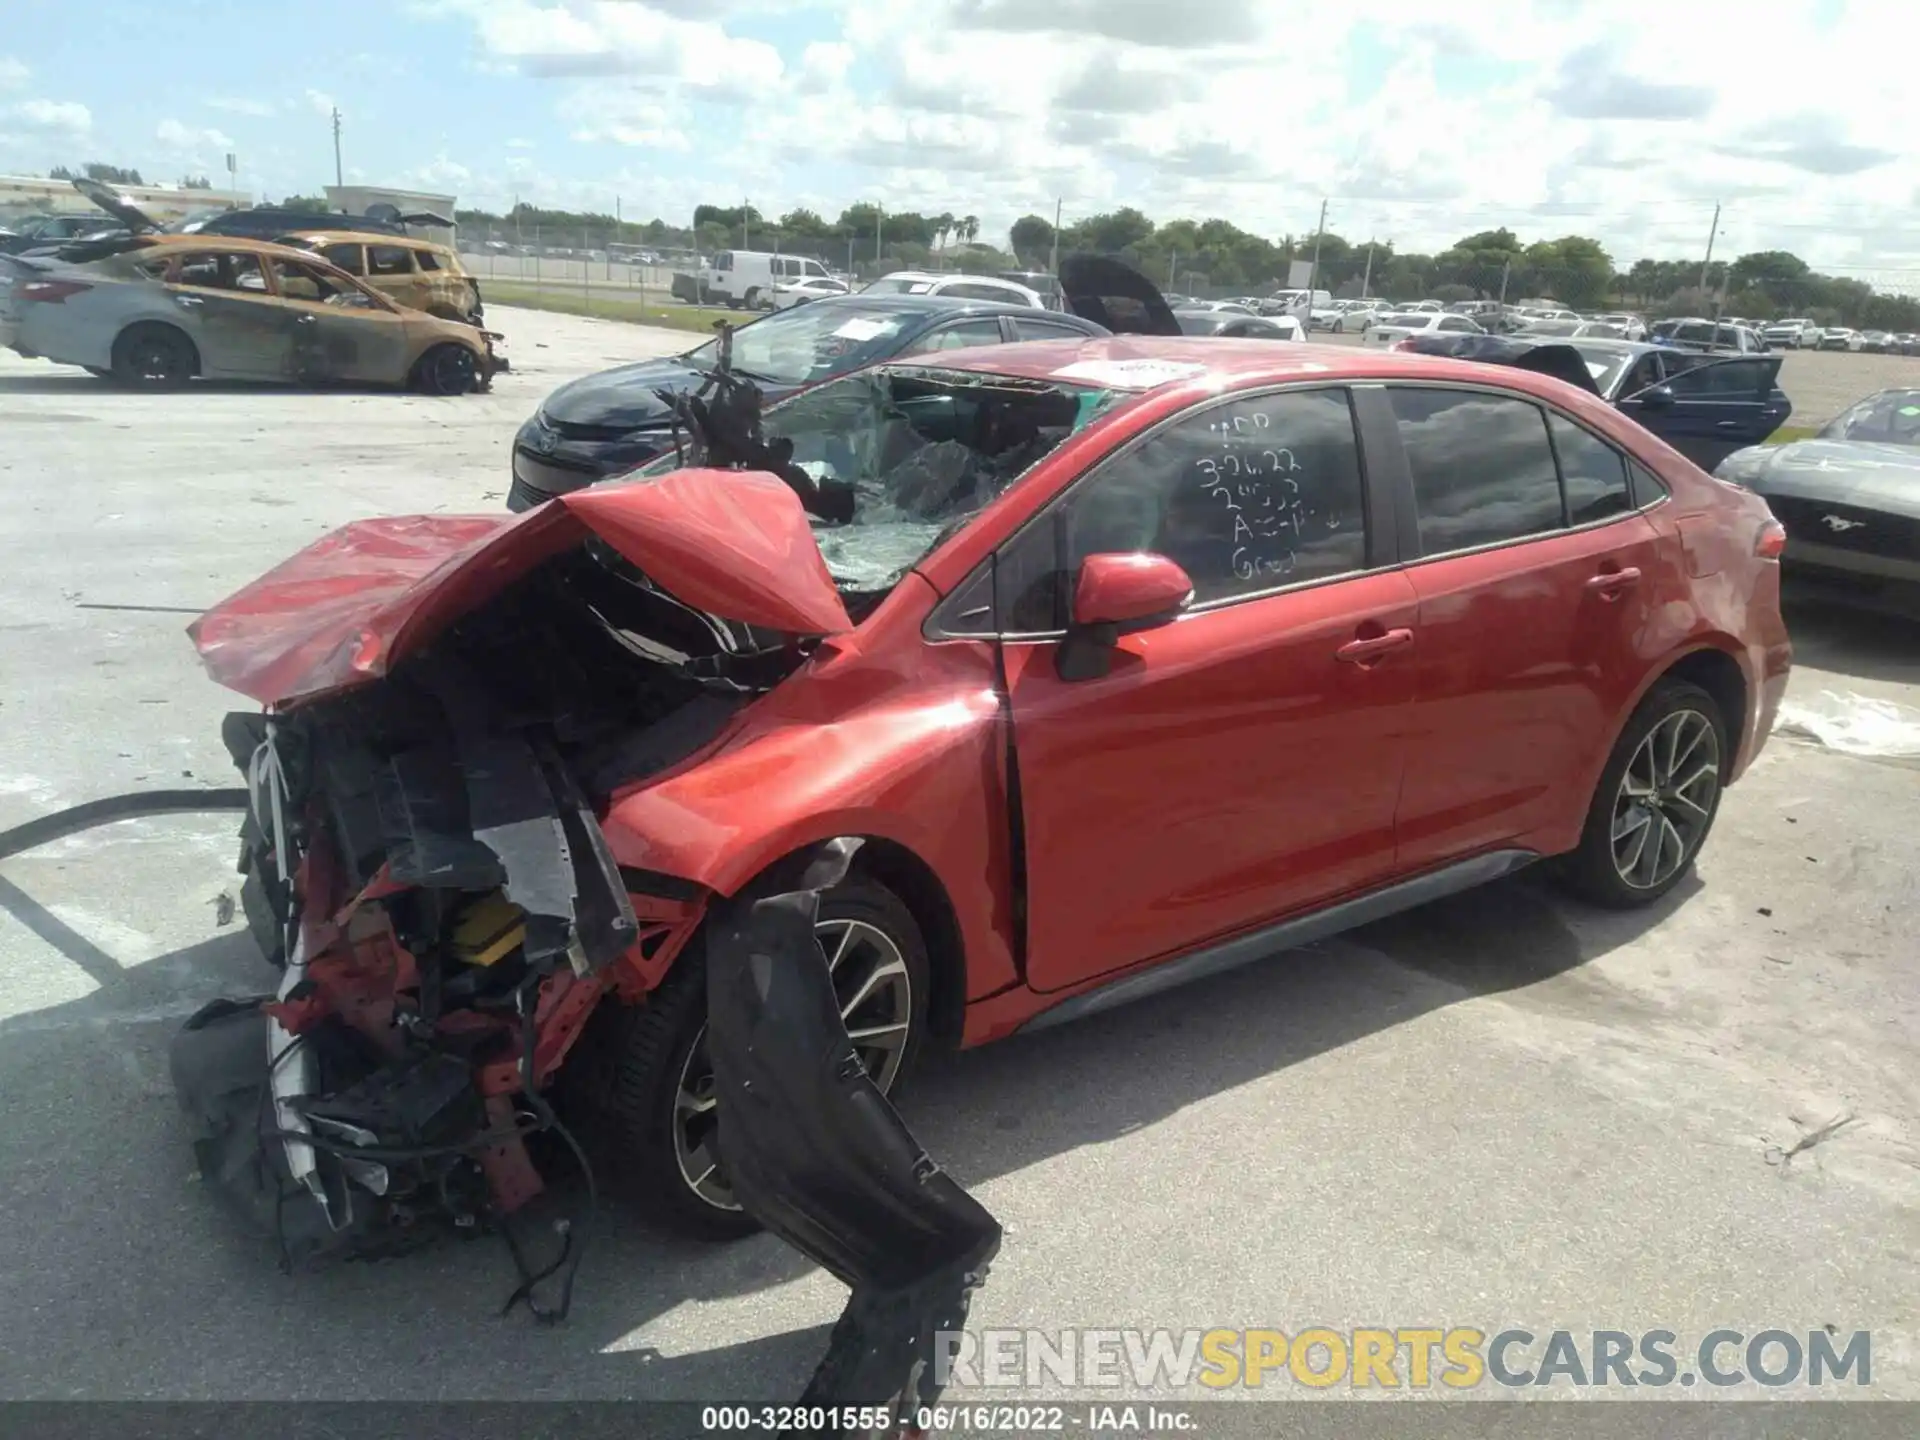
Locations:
column 389, row 260
column 1483, row 468
column 426, row 259
column 1592, row 473
column 350, row 258
column 222, row 271
column 1725, row 380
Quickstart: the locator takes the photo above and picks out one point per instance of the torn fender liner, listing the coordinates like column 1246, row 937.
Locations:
column 352, row 605
column 816, row 1153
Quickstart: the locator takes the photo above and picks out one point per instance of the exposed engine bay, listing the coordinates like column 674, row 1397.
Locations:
column 423, row 864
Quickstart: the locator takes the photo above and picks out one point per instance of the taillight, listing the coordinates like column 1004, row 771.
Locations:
column 1771, row 542
column 48, row 292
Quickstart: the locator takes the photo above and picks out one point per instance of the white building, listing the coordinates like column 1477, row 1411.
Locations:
column 382, row 203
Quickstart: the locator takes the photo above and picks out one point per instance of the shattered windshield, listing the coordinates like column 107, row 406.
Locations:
column 1890, row 418
column 923, row 451
column 810, row 342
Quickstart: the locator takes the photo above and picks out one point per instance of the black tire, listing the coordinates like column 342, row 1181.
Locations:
column 1596, row 870
column 624, row 1080
column 446, row 369
column 753, row 297
column 152, row 356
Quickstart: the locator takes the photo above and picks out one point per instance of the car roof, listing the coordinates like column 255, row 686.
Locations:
column 368, row 237
column 1205, row 359
column 932, row 305
column 237, row 243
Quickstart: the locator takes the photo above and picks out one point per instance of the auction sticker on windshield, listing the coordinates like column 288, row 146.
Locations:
column 1130, row 374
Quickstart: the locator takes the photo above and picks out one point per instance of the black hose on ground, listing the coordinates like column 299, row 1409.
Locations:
column 76, row 818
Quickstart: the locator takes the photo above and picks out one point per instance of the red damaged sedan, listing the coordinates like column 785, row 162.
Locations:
column 1088, row 667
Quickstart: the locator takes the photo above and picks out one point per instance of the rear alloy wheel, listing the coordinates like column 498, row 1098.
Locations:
column 1656, row 800
column 154, row 357
column 658, row 1119
column 447, row 369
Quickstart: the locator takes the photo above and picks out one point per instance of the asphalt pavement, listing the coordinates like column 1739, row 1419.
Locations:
column 1503, row 1110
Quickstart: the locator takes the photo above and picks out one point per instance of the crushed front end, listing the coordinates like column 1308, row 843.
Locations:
column 450, row 704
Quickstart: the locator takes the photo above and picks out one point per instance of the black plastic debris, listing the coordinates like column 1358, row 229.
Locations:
column 816, row 1153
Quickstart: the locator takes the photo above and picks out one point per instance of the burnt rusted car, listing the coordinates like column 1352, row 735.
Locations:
column 416, row 273
column 161, row 310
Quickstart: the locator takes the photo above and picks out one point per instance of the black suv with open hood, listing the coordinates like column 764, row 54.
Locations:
column 607, row 424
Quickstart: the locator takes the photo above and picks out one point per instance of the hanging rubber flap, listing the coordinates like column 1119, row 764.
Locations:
column 815, row 1152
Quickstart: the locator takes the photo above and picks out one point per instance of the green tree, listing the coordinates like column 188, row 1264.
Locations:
column 1032, row 239
column 94, row 170
column 804, row 224
column 1584, row 272
column 1110, row 233
column 195, row 182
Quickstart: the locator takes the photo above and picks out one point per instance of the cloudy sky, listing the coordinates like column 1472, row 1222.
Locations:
column 1549, row 116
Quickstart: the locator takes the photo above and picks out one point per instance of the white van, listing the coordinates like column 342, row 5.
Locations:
column 747, row 277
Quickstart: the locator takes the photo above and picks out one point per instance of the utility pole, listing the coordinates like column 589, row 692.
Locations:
column 1053, row 255
column 879, row 223
column 338, row 178
column 1172, row 260
column 1506, row 269
column 1313, row 275
column 1366, row 277
column 745, row 208
column 1712, row 233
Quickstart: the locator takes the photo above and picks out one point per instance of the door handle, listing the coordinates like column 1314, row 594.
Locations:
column 1730, row 425
column 1368, row 650
column 1609, row 583
column 188, row 300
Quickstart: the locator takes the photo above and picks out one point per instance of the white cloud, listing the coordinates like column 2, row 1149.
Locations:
column 176, row 136
column 67, row 116
column 241, row 105
column 320, row 102
column 13, row 73
column 518, row 143
column 1547, row 116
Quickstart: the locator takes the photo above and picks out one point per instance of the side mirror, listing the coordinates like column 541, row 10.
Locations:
column 1129, row 590
column 1656, row 397
column 1113, row 595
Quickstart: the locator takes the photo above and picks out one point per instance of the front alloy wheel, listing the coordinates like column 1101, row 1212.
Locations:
column 1666, row 800
column 875, row 990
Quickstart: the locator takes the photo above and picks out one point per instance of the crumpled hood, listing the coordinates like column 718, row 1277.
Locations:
column 624, row 398
column 1863, row 473
column 350, row 607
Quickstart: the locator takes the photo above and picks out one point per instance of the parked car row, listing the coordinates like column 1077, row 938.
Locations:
column 149, row 306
